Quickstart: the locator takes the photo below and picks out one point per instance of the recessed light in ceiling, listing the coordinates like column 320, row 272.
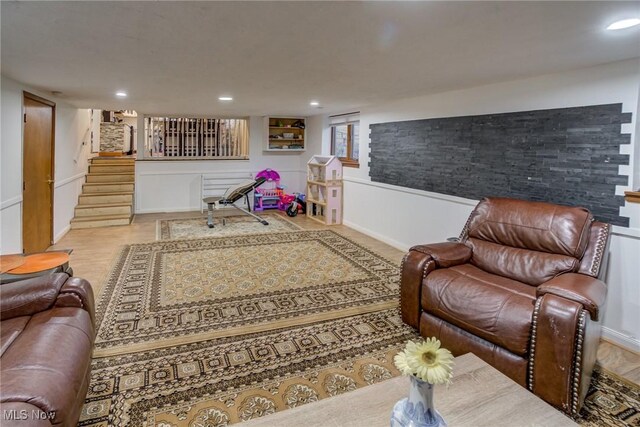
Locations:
column 314, row 103
column 121, row 94
column 225, row 98
column 625, row 23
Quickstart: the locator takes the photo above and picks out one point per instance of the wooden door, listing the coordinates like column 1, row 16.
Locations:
column 37, row 173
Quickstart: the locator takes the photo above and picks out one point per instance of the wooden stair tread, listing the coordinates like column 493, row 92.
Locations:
column 112, row 206
column 110, row 183
column 107, row 193
column 101, row 217
column 111, row 173
column 104, row 205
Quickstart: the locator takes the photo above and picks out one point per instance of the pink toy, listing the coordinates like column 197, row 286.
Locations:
column 268, row 195
column 285, row 199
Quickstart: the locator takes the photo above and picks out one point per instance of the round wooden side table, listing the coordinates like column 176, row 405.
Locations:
column 41, row 262
column 9, row 262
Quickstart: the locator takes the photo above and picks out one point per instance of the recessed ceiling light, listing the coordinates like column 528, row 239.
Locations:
column 314, row 103
column 225, row 98
column 625, row 23
column 121, row 94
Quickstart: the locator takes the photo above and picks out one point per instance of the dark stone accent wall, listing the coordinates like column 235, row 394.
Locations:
column 568, row 156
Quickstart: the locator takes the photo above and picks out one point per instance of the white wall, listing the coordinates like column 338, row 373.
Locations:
column 72, row 140
column 174, row 185
column 404, row 217
column 95, row 127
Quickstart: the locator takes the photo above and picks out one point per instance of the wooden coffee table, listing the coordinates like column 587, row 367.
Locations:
column 479, row 395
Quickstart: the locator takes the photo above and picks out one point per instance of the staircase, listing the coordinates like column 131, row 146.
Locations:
column 107, row 195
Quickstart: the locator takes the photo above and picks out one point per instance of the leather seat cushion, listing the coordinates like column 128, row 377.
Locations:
column 45, row 365
column 10, row 330
column 492, row 307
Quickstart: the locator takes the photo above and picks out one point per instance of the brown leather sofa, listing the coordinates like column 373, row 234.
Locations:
column 520, row 289
column 47, row 335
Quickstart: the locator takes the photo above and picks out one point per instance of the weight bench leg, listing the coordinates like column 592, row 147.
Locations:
column 210, row 215
column 262, row 221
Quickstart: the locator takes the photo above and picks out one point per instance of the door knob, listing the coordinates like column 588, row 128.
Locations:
column 49, row 181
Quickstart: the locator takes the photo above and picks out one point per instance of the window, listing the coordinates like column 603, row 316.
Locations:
column 196, row 138
column 345, row 138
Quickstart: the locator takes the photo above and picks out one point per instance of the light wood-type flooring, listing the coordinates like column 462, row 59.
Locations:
column 95, row 249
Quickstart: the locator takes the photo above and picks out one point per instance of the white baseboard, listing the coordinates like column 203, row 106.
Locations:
column 618, row 338
column 61, row 234
column 396, row 244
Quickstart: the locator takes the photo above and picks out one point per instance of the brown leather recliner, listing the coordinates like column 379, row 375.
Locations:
column 47, row 334
column 520, row 289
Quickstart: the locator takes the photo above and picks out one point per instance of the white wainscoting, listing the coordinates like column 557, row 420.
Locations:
column 10, row 225
column 181, row 190
column 10, row 202
column 66, row 193
column 69, row 180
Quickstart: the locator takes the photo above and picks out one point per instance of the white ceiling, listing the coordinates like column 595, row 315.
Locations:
column 275, row 57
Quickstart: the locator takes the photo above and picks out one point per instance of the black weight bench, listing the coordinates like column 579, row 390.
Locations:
column 232, row 195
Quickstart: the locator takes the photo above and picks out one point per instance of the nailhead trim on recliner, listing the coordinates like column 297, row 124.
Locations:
column 600, row 245
column 534, row 331
column 577, row 362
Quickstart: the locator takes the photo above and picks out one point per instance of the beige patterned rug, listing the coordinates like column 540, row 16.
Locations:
column 182, row 291
column 611, row 401
column 189, row 228
column 228, row 380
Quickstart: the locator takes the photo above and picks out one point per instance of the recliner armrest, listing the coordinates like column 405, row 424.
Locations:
column 446, row 254
column 77, row 292
column 583, row 289
column 31, row 296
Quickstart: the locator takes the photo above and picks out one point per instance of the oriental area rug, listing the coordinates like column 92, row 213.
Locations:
column 229, row 380
column 234, row 225
column 182, row 291
column 215, row 331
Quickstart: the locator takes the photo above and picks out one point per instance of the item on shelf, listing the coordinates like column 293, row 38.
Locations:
column 324, row 189
column 284, row 133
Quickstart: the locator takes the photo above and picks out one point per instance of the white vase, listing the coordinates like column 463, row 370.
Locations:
column 417, row 410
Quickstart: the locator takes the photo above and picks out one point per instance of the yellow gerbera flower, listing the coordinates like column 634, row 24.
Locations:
column 429, row 362
column 400, row 361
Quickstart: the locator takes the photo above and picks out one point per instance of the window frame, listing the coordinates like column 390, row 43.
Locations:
column 350, row 120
